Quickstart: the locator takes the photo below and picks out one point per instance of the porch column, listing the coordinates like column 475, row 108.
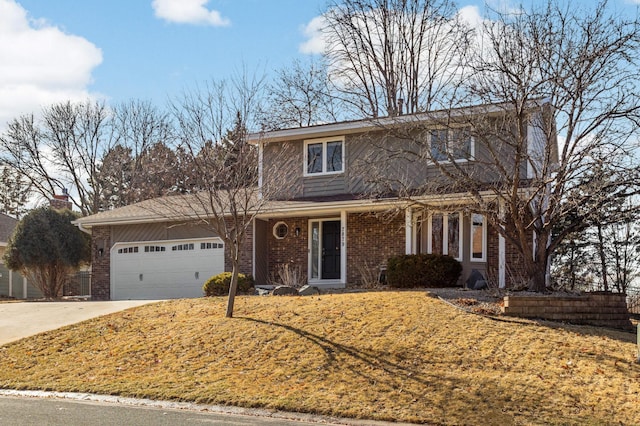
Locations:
column 253, row 248
column 343, row 247
column 408, row 230
column 502, row 253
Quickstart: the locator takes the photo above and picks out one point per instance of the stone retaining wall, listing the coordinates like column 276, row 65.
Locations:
column 601, row 309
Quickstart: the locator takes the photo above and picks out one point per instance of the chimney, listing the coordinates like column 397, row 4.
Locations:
column 61, row 202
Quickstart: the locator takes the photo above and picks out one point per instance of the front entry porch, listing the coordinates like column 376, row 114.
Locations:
column 311, row 248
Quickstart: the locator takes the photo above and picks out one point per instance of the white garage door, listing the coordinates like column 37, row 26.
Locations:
column 164, row 269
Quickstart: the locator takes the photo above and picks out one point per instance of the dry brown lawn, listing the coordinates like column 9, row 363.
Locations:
column 381, row 355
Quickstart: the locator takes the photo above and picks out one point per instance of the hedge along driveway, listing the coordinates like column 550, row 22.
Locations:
column 23, row 319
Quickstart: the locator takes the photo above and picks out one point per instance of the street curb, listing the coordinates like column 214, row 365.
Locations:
column 202, row 408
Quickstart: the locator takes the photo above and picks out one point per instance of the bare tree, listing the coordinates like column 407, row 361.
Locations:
column 67, row 146
column 143, row 130
column 539, row 73
column 60, row 151
column 381, row 51
column 300, row 96
column 211, row 125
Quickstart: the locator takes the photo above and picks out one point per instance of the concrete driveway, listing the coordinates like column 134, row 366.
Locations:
column 23, row 319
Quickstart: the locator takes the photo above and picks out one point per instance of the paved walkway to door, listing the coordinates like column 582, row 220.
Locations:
column 23, row 319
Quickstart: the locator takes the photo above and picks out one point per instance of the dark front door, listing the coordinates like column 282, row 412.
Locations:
column 331, row 250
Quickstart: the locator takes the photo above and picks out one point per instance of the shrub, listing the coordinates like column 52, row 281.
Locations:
column 423, row 270
column 289, row 275
column 218, row 285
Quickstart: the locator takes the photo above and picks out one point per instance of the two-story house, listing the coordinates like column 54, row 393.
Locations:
column 321, row 215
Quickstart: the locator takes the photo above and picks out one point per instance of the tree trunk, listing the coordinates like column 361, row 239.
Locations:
column 233, row 287
column 537, row 267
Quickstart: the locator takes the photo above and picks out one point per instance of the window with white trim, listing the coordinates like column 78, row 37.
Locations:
column 323, row 156
column 445, row 234
column 448, row 144
column 209, row 246
column 183, row 247
column 280, row 230
column 126, row 250
column 478, row 237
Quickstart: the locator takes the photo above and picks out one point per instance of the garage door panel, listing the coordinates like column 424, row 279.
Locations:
column 164, row 269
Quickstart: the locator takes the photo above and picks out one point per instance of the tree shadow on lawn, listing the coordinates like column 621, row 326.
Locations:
column 445, row 389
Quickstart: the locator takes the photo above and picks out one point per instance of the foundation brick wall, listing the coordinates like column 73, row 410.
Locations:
column 600, row 309
column 100, row 263
column 371, row 241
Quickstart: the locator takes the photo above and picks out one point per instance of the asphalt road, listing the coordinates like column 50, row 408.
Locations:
column 17, row 411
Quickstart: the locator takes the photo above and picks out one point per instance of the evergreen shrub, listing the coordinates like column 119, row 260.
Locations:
column 423, row 270
column 218, row 285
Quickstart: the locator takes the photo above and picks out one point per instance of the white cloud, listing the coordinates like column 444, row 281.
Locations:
column 188, row 12
column 471, row 16
column 40, row 63
column 315, row 39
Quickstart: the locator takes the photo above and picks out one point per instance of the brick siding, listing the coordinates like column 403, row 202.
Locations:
column 371, row 241
column 514, row 274
column 101, row 263
column 292, row 250
column 246, row 253
column 600, row 309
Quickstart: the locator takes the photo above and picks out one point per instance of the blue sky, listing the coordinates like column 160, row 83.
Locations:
column 54, row 50
column 129, row 52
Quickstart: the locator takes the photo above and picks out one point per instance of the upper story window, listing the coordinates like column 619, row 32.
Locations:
column 323, row 156
column 448, row 144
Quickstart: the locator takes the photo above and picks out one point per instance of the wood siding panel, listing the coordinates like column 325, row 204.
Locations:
column 374, row 156
column 318, row 186
column 142, row 232
column 184, row 231
column 282, row 170
column 159, row 231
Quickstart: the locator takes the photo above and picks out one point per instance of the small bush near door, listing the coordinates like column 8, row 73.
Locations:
column 423, row 270
column 218, row 285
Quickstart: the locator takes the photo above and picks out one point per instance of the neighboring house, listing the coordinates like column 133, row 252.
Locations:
column 318, row 218
column 12, row 284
